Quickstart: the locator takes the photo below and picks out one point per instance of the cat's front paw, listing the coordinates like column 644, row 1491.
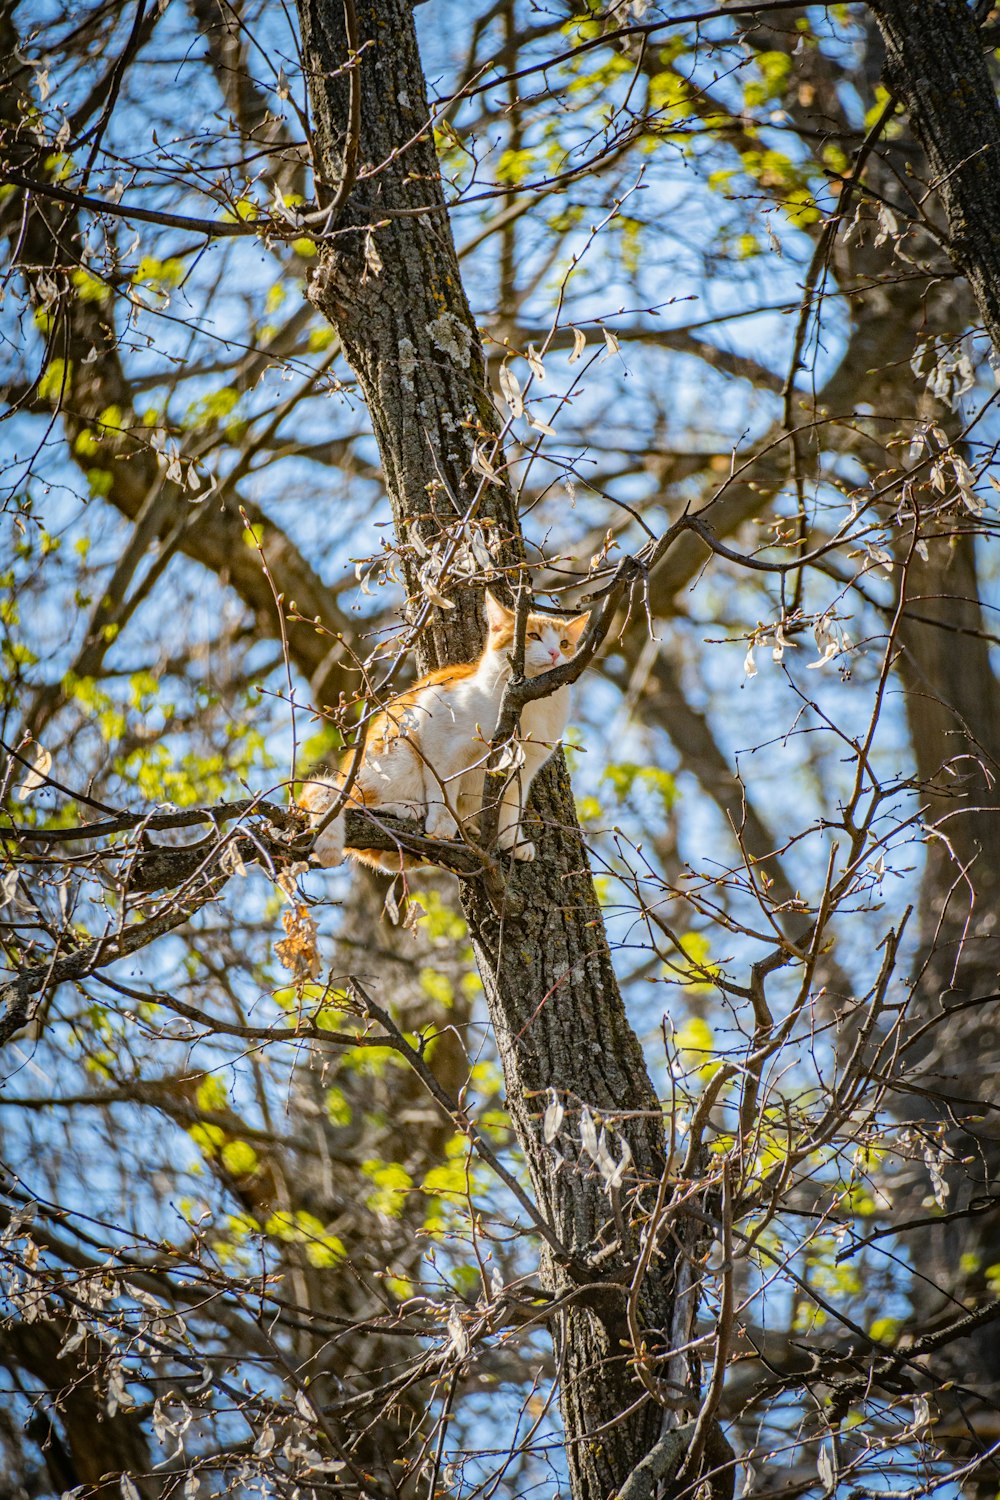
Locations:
column 328, row 849
column 525, row 852
column 400, row 810
column 439, row 823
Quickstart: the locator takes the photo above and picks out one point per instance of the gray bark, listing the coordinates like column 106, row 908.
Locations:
column 936, row 63
column 544, row 958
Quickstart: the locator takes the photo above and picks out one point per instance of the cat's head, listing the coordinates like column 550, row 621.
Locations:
column 548, row 641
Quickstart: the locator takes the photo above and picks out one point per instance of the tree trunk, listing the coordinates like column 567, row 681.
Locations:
column 936, row 63
column 557, row 1011
column 87, row 1447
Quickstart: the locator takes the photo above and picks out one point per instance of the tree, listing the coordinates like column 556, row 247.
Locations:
column 767, row 1229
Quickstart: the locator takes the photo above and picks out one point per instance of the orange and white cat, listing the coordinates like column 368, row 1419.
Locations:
column 426, row 753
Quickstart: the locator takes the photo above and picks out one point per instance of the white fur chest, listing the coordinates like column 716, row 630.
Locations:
column 545, row 719
column 542, row 721
column 470, row 710
column 464, row 713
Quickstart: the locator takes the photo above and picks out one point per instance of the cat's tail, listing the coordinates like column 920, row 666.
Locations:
column 385, row 862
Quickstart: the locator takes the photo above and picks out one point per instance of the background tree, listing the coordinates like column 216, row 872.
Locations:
column 392, row 1209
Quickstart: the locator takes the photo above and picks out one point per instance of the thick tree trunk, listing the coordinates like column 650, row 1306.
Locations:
column 560, row 1023
column 936, row 63
column 85, row 1446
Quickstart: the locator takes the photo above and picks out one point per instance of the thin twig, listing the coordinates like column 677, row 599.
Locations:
column 458, row 1116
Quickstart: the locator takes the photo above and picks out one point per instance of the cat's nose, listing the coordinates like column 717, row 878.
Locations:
column 554, row 653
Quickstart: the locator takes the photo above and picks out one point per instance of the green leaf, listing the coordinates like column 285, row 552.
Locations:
column 391, row 1183
column 57, row 381
column 239, row 1158
column 90, row 288
column 885, row 1330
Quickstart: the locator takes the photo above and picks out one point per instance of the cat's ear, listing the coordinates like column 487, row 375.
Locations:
column 497, row 614
column 575, row 626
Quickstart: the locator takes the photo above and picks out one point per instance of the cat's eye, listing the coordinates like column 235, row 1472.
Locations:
column 564, row 645
column 534, row 635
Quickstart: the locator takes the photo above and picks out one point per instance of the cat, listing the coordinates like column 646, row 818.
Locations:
column 426, row 752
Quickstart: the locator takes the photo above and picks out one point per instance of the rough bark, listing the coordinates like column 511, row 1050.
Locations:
column 935, row 61
column 555, row 1004
column 323, row 1178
